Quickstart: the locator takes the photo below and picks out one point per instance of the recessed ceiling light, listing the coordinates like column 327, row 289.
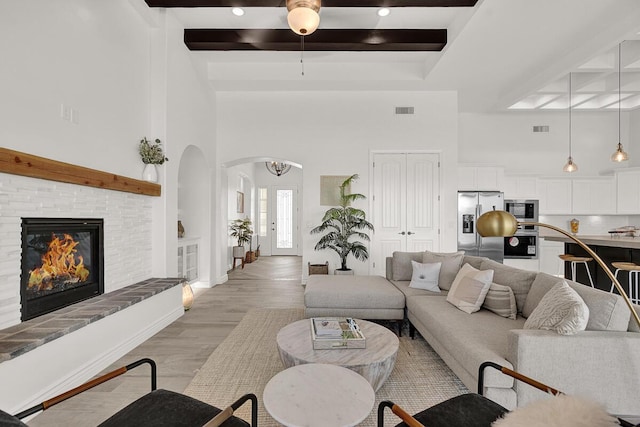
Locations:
column 384, row 11
column 238, row 11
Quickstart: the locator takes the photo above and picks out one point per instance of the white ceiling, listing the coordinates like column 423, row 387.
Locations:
column 499, row 54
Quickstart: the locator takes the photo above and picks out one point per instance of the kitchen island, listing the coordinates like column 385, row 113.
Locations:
column 609, row 249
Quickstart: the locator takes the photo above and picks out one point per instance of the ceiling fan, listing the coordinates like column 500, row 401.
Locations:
column 343, row 39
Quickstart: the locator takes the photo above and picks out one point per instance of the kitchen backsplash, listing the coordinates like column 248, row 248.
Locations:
column 589, row 224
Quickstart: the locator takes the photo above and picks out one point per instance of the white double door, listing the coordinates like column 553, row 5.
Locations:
column 406, row 205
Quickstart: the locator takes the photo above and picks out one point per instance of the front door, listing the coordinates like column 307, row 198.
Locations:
column 284, row 221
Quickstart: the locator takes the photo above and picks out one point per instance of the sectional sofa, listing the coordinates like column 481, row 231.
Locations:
column 601, row 362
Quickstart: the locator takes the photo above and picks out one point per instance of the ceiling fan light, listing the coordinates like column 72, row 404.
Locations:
column 238, row 11
column 570, row 166
column 384, row 11
column 303, row 17
column 619, row 155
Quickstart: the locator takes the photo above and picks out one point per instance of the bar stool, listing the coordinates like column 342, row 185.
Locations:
column 575, row 260
column 634, row 270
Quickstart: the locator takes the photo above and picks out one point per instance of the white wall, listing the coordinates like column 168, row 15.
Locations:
column 93, row 57
column 333, row 133
column 508, row 140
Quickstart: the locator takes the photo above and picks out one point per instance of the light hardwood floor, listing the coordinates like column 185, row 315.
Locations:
column 182, row 348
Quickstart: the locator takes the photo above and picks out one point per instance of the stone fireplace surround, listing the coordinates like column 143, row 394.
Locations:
column 79, row 353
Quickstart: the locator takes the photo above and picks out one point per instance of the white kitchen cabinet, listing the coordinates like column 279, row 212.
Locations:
column 480, row 178
column 628, row 192
column 555, row 196
column 549, row 257
column 593, row 196
column 520, row 187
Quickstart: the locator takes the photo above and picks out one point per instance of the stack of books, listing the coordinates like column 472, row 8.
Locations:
column 334, row 333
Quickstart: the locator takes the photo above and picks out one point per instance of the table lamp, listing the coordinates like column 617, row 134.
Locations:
column 503, row 224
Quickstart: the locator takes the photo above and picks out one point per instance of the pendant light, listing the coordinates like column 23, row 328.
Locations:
column 570, row 166
column 278, row 168
column 619, row 155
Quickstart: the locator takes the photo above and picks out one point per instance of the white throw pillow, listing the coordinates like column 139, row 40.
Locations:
column 469, row 288
column 560, row 310
column 425, row 276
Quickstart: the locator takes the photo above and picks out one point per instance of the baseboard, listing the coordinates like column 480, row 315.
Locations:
column 222, row 279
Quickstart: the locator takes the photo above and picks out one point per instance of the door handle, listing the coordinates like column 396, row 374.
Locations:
column 402, row 233
column 410, row 233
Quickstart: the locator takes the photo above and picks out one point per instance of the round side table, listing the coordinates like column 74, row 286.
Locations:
column 318, row 395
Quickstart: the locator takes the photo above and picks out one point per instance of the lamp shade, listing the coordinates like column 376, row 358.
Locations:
column 619, row 155
column 570, row 166
column 497, row 224
column 303, row 17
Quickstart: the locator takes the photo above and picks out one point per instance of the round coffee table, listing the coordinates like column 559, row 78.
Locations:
column 374, row 363
column 318, row 395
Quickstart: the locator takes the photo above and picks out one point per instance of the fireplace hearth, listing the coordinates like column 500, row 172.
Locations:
column 62, row 263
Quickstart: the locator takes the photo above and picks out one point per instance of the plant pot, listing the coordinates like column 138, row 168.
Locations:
column 257, row 253
column 339, row 272
column 238, row 251
column 150, row 172
column 250, row 257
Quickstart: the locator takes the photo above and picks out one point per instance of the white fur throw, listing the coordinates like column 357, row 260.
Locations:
column 559, row 411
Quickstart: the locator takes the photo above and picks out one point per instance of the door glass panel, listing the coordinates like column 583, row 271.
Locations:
column 262, row 214
column 284, row 215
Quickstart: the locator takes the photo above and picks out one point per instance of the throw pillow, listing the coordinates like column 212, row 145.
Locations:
column 501, row 301
column 469, row 288
column 451, row 263
column 425, row 276
column 401, row 264
column 560, row 310
column 559, row 411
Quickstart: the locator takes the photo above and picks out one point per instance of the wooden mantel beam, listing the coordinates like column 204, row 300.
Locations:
column 18, row 163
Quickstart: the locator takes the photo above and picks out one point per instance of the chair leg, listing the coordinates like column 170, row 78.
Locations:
column 586, row 265
column 615, row 276
column 573, row 271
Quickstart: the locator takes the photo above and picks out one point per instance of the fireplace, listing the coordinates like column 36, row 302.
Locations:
column 62, row 263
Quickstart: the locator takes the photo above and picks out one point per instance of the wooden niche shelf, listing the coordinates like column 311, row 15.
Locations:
column 17, row 163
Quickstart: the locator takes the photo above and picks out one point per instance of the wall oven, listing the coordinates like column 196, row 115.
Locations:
column 524, row 211
column 522, row 245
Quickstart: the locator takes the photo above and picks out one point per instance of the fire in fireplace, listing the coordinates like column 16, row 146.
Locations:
column 62, row 263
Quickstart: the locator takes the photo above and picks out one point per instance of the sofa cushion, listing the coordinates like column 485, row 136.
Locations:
column 472, row 339
column 608, row 312
column 401, row 264
column 403, row 286
column 561, row 310
column 501, row 301
column 371, row 292
column 474, row 261
column 518, row 280
column 451, row 263
column 470, row 288
column 425, row 276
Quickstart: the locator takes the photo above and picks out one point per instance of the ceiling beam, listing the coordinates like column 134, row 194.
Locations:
column 325, row 3
column 397, row 40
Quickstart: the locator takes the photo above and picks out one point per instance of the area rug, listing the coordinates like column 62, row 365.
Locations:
column 247, row 359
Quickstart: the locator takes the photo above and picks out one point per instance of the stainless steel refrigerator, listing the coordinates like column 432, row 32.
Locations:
column 472, row 204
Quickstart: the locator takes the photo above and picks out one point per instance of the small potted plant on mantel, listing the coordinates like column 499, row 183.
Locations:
column 341, row 224
column 151, row 155
column 242, row 232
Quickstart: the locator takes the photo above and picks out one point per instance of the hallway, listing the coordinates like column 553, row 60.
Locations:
column 182, row 348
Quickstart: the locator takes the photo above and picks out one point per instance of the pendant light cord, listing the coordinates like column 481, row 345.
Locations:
column 569, row 115
column 619, row 89
column 302, row 54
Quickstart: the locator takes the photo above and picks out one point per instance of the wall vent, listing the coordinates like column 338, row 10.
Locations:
column 541, row 128
column 404, row 110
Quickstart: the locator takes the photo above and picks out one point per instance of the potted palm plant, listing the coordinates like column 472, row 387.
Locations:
column 341, row 225
column 241, row 231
